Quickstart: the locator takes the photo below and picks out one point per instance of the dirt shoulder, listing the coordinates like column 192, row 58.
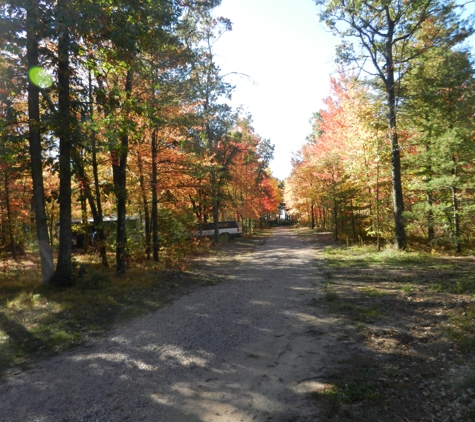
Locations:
column 283, row 332
column 405, row 337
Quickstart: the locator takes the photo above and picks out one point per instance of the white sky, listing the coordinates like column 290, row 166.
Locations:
column 286, row 51
column 284, row 48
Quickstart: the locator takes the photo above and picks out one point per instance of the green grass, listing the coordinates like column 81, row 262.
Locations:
column 356, row 390
column 38, row 320
column 372, row 291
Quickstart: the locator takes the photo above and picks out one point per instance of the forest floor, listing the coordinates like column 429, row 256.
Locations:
column 286, row 328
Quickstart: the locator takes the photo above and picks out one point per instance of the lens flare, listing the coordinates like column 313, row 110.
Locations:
column 40, row 77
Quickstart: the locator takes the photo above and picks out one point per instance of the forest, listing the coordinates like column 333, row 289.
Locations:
column 115, row 112
column 391, row 155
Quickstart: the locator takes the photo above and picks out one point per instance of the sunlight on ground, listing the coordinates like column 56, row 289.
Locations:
column 308, row 318
column 311, row 386
column 115, row 357
column 214, row 401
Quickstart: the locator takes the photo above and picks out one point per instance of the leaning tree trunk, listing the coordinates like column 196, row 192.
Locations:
column 46, row 254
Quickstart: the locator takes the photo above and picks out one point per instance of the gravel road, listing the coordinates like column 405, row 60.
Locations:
column 248, row 349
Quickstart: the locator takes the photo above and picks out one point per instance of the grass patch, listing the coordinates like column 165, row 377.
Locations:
column 413, row 316
column 37, row 320
column 330, row 296
column 364, row 255
column 453, row 284
column 372, row 291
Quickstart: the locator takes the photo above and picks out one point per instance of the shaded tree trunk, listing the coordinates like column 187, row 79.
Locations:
column 34, row 138
column 155, row 240
column 84, row 218
column 63, row 273
column 96, row 207
column 146, row 210
column 455, row 211
column 312, row 211
column 119, row 168
column 9, row 216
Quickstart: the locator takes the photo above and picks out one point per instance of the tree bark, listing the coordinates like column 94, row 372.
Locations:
column 398, row 202
column 312, row 212
column 63, row 274
column 96, row 207
column 455, row 210
column 146, row 210
column 120, row 182
column 155, row 240
column 9, row 216
column 34, row 138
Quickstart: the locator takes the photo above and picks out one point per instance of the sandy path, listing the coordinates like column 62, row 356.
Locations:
column 248, row 349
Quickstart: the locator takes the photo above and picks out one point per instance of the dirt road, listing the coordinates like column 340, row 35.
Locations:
column 249, row 349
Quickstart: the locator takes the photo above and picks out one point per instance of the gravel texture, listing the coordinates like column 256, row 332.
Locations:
column 248, row 349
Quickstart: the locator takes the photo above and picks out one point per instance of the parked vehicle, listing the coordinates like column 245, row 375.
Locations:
column 134, row 229
column 227, row 230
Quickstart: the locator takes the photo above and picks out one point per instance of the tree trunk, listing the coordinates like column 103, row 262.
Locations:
column 214, row 192
column 155, row 240
column 430, row 218
column 335, row 219
column 398, row 202
column 455, row 211
column 63, row 274
column 145, row 207
column 85, row 223
column 353, row 222
column 312, row 211
column 96, row 207
column 46, row 254
column 120, row 182
column 9, row 216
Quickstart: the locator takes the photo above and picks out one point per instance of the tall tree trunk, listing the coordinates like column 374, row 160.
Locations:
column 353, row 222
column 378, row 236
column 9, row 216
column 398, row 202
column 155, row 240
column 34, row 137
column 430, row 217
column 335, row 218
column 312, row 212
column 120, row 185
column 456, row 221
column 63, row 273
column 145, row 207
column 215, row 199
column 85, row 223
column 455, row 210
column 96, row 207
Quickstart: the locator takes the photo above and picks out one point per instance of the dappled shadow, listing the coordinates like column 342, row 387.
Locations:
column 395, row 357
column 255, row 348
column 20, row 341
column 19, row 334
column 147, row 370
